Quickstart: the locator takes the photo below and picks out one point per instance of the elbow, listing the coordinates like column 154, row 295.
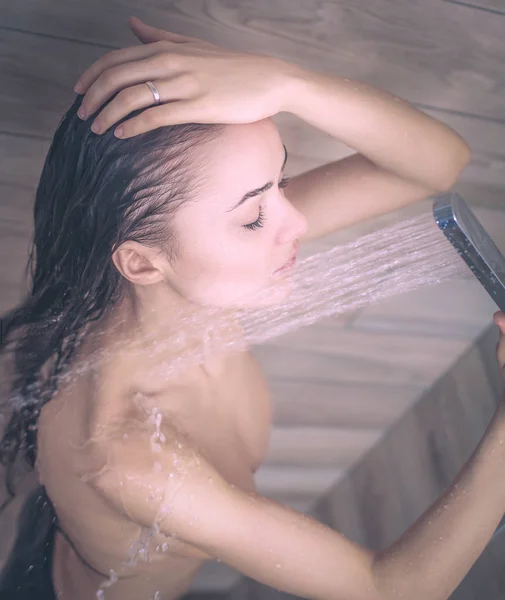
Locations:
column 460, row 159
column 374, row 589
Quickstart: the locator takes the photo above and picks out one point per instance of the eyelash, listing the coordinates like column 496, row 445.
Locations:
column 261, row 218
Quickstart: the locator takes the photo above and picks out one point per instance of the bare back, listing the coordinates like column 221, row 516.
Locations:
column 226, row 414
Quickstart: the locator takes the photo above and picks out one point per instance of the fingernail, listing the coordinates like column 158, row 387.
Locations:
column 119, row 132
column 78, row 88
column 81, row 113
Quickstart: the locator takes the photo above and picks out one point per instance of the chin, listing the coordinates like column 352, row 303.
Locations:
column 271, row 293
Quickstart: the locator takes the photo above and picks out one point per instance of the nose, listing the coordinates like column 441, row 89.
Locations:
column 295, row 224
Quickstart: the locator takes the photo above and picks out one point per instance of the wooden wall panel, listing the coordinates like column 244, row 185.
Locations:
column 425, row 51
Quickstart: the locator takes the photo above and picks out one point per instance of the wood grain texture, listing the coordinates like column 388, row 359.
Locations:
column 367, row 429
column 417, row 459
column 422, row 50
column 491, row 6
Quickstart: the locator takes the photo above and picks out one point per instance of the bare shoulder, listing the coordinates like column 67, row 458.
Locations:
column 182, row 494
column 133, row 454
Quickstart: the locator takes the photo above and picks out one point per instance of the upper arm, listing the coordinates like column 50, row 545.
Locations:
column 266, row 541
column 340, row 194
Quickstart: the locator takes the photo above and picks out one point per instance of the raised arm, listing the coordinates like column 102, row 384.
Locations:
column 258, row 537
column 433, row 556
column 186, row 496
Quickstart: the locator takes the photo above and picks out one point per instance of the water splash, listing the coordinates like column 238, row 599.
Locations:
column 391, row 261
column 395, row 260
column 113, row 577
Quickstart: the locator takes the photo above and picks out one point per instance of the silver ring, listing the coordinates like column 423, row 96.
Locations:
column 155, row 92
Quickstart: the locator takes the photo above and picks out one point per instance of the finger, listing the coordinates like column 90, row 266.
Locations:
column 140, row 96
column 499, row 320
column 173, row 113
column 500, row 351
column 112, row 59
column 120, row 77
column 147, row 34
column 499, row 316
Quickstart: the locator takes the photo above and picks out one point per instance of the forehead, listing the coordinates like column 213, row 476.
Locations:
column 246, row 155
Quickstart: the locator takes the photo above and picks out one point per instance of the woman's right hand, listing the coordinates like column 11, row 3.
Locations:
column 499, row 320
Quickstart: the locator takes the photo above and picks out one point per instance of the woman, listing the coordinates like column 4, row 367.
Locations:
column 145, row 478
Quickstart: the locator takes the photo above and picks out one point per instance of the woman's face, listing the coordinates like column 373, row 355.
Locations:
column 229, row 247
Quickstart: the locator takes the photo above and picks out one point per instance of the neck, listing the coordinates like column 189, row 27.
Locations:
column 160, row 327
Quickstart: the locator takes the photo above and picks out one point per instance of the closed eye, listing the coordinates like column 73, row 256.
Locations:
column 261, row 190
column 261, row 217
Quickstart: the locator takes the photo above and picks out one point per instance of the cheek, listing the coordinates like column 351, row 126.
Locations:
column 234, row 254
column 242, row 264
column 226, row 269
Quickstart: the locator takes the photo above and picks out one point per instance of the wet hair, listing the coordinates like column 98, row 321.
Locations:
column 95, row 192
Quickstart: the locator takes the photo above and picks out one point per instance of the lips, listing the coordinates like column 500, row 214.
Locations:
column 288, row 265
column 291, row 261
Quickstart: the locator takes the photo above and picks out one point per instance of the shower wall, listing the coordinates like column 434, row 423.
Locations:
column 385, row 492
column 374, row 411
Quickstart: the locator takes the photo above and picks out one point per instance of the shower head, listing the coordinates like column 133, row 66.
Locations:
column 473, row 244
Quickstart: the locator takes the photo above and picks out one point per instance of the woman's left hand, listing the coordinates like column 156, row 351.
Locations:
column 198, row 82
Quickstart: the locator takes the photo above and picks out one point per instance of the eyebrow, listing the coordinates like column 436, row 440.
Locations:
column 263, row 189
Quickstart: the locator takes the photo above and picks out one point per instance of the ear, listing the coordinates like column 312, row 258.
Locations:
column 138, row 263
